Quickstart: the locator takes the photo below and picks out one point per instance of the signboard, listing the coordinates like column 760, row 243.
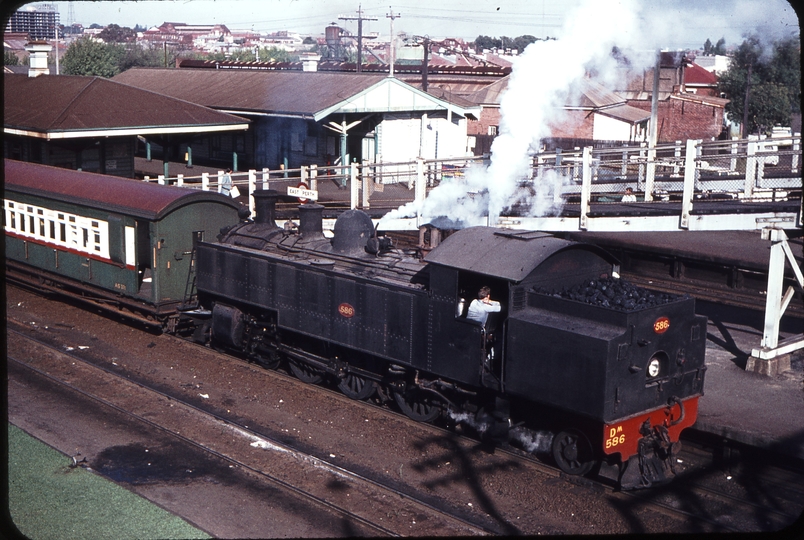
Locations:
column 303, row 193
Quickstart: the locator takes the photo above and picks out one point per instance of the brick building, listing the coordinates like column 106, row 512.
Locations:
column 685, row 116
column 689, row 104
column 594, row 115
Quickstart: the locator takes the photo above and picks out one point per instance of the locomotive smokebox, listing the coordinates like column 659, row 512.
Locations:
column 311, row 221
column 265, row 206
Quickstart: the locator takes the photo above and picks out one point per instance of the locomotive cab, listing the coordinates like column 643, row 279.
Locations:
column 615, row 376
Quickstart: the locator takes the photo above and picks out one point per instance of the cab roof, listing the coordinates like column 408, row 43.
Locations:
column 503, row 253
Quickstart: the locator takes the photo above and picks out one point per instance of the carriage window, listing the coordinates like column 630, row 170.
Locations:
column 79, row 232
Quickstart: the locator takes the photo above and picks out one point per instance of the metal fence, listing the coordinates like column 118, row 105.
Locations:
column 745, row 169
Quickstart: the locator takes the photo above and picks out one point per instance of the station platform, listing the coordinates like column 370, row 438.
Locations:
column 749, row 408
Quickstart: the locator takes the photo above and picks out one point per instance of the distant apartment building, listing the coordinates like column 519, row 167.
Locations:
column 39, row 21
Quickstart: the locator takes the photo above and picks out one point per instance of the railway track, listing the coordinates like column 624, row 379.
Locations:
column 696, row 466
column 718, row 507
column 105, row 387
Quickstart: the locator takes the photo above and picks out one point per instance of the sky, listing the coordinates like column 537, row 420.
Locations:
column 676, row 24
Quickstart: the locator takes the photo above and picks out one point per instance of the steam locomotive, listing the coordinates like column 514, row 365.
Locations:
column 577, row 364
column 594, row 378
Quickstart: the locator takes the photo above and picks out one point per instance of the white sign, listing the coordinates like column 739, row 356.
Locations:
column 302, row 193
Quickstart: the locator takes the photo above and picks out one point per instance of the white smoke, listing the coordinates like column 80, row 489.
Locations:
column 535, row 442
column 469, row 420
column 543, row 78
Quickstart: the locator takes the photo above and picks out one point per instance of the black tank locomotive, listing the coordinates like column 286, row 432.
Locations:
column 597, row 380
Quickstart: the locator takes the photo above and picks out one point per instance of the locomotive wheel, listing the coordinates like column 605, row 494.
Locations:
column 269, row 361
column 305, row 373
column 573, row 452
column 416, row 406
column 356, row 387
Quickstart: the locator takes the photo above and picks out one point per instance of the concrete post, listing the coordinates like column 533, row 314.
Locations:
column 354, row 185
column 586, row 187
column 689, row 183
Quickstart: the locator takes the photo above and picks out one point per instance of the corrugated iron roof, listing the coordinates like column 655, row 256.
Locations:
column 293, row 93
column 594, row 95
column 288, row 92
column 589, row 95
column 65, row 103
column 112, row 193
column 491, row 94
column 698, row 98
column 626, row 113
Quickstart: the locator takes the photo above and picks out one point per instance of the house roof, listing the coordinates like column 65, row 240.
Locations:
column 313, row 95
column 63, row 106
column 592, row 95
column 698, row 76
column 625, row 113
column 491, row 94
column 704, row 100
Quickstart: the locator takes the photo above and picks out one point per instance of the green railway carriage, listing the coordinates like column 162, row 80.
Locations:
column 119, row 241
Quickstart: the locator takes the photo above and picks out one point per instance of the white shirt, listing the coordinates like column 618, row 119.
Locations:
column 629, row 197
column 479, row 310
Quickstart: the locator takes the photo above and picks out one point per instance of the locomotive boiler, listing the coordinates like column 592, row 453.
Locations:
column 601, row 370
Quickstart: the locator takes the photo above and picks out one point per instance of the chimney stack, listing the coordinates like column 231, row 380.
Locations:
column 311, row 224
column 37, row 63
column 265, row 206
column 310, row 62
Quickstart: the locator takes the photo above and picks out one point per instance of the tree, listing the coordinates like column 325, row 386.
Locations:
column 85, row 56
column 523, row 41
column 518, row 43
column 764, row 89
column 118, row 34
column 10, row 59
column 486, row 42
column 718, row 48
column 138, row 56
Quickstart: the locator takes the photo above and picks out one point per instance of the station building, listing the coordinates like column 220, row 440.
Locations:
column 315, row 117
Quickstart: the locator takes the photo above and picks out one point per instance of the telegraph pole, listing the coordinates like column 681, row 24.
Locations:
column 425, row 62
column 360, row 18
column 393, row 40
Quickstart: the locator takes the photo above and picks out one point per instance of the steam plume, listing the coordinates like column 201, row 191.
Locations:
column 542, row 81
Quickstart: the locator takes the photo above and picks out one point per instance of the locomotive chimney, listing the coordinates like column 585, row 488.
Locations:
column 265, row 206
column 429, row 237
column 311, row 221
